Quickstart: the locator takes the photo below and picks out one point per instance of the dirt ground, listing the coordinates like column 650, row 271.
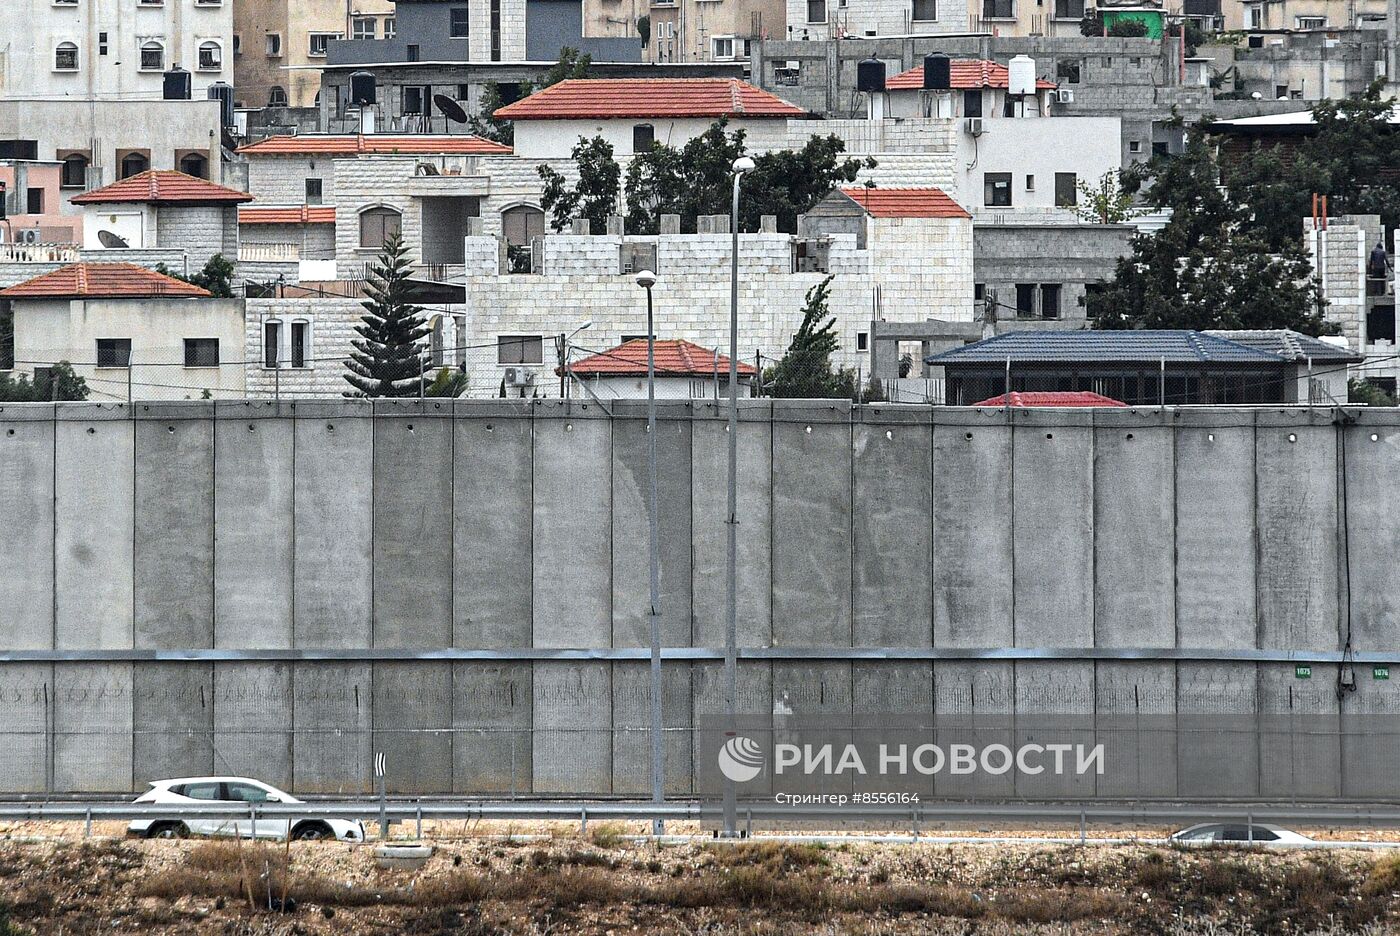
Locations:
column 541, row 879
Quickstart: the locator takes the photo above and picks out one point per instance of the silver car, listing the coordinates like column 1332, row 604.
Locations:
column 196, row 790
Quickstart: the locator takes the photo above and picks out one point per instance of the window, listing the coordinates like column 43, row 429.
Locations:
column 272, row 340
column 1030, row 183
column 862, row 341
column 363, row 27
column 201, row 352
column 1256, row 17
column 522, row 224
column 459, row 27
column 1380, row 324
column 722, row 47
column 318, row 41
column 65, row 56
column 391, row 27
column 1025, row 300
column 152, row 56
column 211, row 56
column 34, row 201
column 201, row 791
column 816, row 11
column 377, row 225
column 277, row 97
column 247, row 793
column 1067, row 70
column 134, row 164
column 274, row 45
column 301, row 344
column 997, row 189
column 997, row 9
column 195, row 164
column 102, row 43
column 495, row 30
column 416, row 99
column 1066, row 190
column 643, row 136
column 925, row 10
column 1050, row 300
column 436, row 341
column 1135, row 146
column 972, row 102
column 1069, row 9
column 65, row 2
column 237, row 44
column 114, row 352
column 313, row 191
column 414, row 54
column 464, row 93
column 519, row 349
column 74, row 171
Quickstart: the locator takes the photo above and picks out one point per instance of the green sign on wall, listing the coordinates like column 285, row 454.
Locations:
column 1380, row 672
column 1302, row 672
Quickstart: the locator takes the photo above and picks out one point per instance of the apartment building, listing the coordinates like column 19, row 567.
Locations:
column 280, row 45
column 689, row 30
column 1303, row 14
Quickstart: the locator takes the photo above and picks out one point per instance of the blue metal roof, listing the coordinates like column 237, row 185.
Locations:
column 1176, row 346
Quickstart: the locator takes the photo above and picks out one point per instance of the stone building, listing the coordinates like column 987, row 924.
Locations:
column 281, row 44
column 1360, row 303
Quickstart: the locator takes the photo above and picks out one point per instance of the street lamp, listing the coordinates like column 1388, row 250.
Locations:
column 742, row 166
column 647, row 279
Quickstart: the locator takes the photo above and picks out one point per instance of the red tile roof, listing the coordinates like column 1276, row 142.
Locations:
column 103, row 281
column 375, row 145
column 906, row 203
column 605, row 98
column 163, row 187
column 1034, row 398
column 966, row 74
column 296, row 214
column 674, row 358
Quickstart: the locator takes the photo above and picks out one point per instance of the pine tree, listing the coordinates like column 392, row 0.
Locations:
column 389, row 357
column 805, row 369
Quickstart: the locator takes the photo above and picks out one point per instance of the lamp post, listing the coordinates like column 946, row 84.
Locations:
column 742, row 166
column 565, row 373
column 647, row 279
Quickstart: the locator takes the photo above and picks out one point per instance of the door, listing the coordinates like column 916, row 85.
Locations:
column 208, row 791
column 251, row 793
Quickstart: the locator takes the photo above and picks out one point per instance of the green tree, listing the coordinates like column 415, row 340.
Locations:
column 389, row 357
column 447, row 382
column 58, row 382
column 1106, row 201
column 1207, row 268
column 644, row 30
column 216, row 276
column 1128, row 29
column 1364, row 393
column 805, row 369
column 593, row 196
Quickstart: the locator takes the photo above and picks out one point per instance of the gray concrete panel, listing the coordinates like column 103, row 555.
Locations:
column 493, row 714
column 892, row 520
column 174, row 526
column 333, row 526
column 493, row 529
column 973, row 703
column 26, row 531
column 412, row 524
column 1372, row 506
column 1135, row 703
column 572, row 529
column 1370, row 726
column 253, row 511
column 630, row 493
column 1053, row 528
column 1055, row 705
column 253, row 721
column 1217, row 750
column 93, row 714
column 1134, row 524
column 26, row 713
column 1215, row 528
column 1300, row 742
column 972, row 593
column 174, row 718
column 709, row 477
column 332, row 711
column 806, row 694
column 632, row 729
column 93, row 530
column 896, row 697
column 754, row 705
column 413, row 725
column 572, row 746
column 1297, row 511
column 811, row 523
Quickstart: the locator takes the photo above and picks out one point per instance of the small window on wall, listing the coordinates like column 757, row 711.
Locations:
column 301, row 343
column 65, row 57
column 722, row 48
column 1050, row 300
column 377, row 225
column 277, row 97
column 816, row 11
column 34, row 202
column 643, row 136
column 460, row 26
column 134, row 164
column 74, row 171
column 519, row 349
column 201, row 352
column 313, row 191
column 1067, row 71
column 391, row 27
column 862, row 341
column 1025, row 300
column 195, row 164
column 997, row 189
column 272, row 342
column 1066, row 190
column 925, row 11
column 152, row 56
column 972, row 102
column 211, row 56
column 363, row 27
column 317, row 43
column 274, row 45
column 114, row 352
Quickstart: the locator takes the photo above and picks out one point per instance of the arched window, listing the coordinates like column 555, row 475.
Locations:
column 65, row 56
column 74, row 171
column 521, row 224
column 152, row 56
column 134, row 164
column 211, row 56
column 277, row 97
column 377, row 225
column 194, row 164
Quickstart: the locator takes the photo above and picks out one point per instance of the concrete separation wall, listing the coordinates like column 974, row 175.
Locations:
column 284, row 590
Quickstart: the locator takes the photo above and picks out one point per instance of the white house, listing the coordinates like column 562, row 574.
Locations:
column 684, row 371
column 163, row 208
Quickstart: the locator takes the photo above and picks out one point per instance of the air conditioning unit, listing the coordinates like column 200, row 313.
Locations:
column 973, row 126
column 1064, row 95
column 30, row 236
column 519, row 377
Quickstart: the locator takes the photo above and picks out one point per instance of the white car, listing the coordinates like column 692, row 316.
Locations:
column 195, row 790
column 1259, row 833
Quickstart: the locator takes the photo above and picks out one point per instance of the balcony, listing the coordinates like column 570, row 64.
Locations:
column 269, row 253
column 38, row 253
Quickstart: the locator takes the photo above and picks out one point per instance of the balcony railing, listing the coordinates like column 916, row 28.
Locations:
column 38, row 253
column 276, row 253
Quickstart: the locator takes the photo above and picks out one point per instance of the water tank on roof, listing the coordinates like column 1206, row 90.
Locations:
column 177, row 85
column 870, row 75
column 938, row 72
column 1022, row 75
column 362, row 88
column 223, row 93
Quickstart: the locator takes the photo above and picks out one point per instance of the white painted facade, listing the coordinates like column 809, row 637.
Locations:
column 112, row 49
column 556, row 139
column 1033, row 152
column 834, row 19
column 634, row 387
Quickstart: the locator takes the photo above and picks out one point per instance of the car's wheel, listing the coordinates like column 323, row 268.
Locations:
column 312, row 832
column 168, row 830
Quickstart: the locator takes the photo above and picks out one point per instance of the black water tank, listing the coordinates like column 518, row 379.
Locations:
column 177, row 85
column 362, row 88
column 938, row 72
column 870, row 75
column 223, row 93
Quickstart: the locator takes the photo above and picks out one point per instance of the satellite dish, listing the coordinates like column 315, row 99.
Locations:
column 450, row 108
column 111, row 240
